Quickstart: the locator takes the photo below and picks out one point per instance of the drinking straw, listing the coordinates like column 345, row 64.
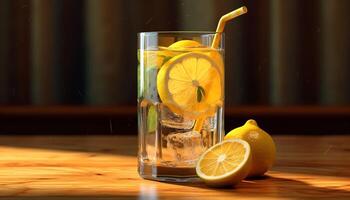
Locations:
column 217, row 37
column 222, row 22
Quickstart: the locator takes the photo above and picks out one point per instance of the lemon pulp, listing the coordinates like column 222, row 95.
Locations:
column 226, row 163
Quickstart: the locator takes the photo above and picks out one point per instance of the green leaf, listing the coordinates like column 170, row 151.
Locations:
column 151, row 119
column 150, row 84
column 200, row 93
column 166, row 59
column 139, row 92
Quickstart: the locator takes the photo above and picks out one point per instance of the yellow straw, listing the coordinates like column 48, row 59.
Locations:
column 222, row 22
column 220, row 28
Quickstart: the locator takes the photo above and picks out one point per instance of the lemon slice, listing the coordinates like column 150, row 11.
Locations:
column 191, row 45
column 190, row 84
column 185, row 44
column 226, row 163
column 218, row 59
column 154, row 58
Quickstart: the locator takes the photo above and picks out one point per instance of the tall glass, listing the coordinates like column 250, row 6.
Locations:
column 180, row 102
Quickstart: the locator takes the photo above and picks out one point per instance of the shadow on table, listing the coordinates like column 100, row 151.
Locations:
column 111, row 144
column 267, row 187
column 274, row 187
column 327, row 171
column 71, row 198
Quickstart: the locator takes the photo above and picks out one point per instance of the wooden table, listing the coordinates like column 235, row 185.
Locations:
column 104, row 167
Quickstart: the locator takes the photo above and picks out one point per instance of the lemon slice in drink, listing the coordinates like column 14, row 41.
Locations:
column 183, row 44
column 154, row 59
column 217, row 57
column 191, row 45
column 190, row 84
column 225, row 164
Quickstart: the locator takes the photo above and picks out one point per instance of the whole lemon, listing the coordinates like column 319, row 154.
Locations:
column 261, row 143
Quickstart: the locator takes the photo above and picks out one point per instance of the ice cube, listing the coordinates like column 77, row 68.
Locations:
column 185, row 148
column 173, row 120
column 210, row 123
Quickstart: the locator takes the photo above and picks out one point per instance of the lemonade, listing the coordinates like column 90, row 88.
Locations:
column 180, row 102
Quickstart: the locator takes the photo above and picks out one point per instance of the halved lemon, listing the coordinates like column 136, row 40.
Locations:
column 190, row 84
column 261, row 143
column 225, row 164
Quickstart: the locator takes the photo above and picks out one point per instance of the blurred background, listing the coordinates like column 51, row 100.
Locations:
column 70, row 66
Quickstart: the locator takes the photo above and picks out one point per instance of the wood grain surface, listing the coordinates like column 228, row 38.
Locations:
column 104, row 167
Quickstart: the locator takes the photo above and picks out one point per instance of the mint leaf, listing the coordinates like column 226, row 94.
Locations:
column 152, row 119
column 200, row 93
column 166, row 59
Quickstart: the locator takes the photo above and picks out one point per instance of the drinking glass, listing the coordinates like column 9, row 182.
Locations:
column 180, row 102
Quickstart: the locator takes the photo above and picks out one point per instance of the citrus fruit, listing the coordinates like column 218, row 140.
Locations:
column 218, row 59
column 190, row 84
column 262, row 146
column 225, row 163
column 185, row 44
column 154, row 59
column 191, row 45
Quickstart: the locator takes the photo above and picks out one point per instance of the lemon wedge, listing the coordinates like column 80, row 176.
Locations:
column 190, row 84
column 225, row 163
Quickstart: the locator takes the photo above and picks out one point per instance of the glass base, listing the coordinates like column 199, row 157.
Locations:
column 172, row 179
column 168, row 174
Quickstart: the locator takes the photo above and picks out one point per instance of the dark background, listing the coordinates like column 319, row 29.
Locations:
column 69, row 67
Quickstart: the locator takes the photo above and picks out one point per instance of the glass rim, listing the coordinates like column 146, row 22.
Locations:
column 146, row 33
